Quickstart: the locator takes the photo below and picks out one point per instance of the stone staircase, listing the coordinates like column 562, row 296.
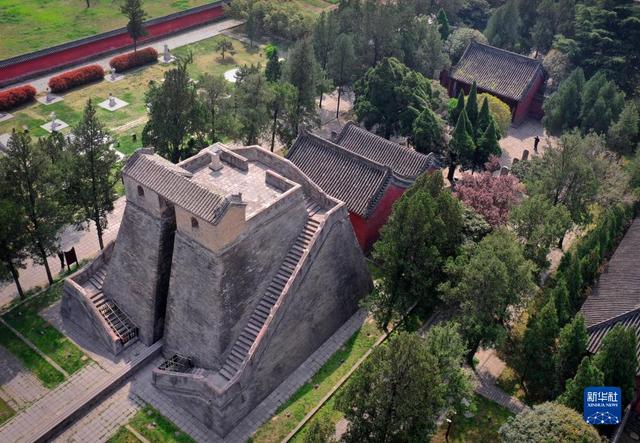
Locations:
column 117, row 320
column 241, row 347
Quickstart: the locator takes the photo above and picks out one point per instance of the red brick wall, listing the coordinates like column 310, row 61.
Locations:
column 65, row 57
column 368, row 230
column 522, row 110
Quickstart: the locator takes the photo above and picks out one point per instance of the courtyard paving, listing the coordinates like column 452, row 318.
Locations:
column 18, row 386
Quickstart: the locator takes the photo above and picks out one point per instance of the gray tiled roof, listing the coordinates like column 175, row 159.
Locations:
column 402, row 161
column 355, row 180
column 173, row 183
column 597, row 334
column 498, row 71
column 618, row 290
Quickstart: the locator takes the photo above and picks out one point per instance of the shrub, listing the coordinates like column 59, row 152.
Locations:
column 13, row 97
column 133, row 59
column 77, row 77
column 499, row 110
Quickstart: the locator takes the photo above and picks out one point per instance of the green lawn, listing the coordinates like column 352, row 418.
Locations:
column 130, row 120
column 153, row 426
column 6, row 411
column 481, row 428
column 310, row 394
column 47, row 374
column 29, row 25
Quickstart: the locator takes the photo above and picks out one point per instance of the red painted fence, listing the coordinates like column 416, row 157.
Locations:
column 40, row 62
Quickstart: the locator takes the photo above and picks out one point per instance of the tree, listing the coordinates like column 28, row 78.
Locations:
column 94, row 171
column 456, row 110
column 398, row 393
column 562, row 109
column 548, row 422
column 35, row 191
column 560, row 296
column 624, row 134
column 587, row 375
column 602, row 102
column 443, row 24
column 538, row 344
column 136, row 16
column 491, row 196
column 252, row 99
column 460, row 39
column 485, row 281
column 174, row 114
column 13, row 240
column 273, row 70
column 474, row 227
column 616, row 358
column 423, row 230
column 472, row 107
column 484, row 118
column 503, row 28
column 428, row 132
column 224, row 45
column 341, row 66
column 324, row 33
column 500, row 112
column 283, row 98
column 461, row 146
column 320, row 430
column 572, row 348
column 570, row 173
column 301, row 71
column 486, row 146
column 215, row 91
column 541, row 225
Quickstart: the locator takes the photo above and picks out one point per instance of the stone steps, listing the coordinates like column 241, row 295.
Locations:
column 240, row 348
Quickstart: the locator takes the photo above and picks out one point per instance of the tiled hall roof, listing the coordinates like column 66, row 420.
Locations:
column 404, row 162
column 347, row 176
column 498, row 71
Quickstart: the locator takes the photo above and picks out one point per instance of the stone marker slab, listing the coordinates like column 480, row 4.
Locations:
column 113, row 104
column 113, row 78
column 4, row 141
column 50, row 99
column 230, row 75
column 60, row 125
column 4, row 116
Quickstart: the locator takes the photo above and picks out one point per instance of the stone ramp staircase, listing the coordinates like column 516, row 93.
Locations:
column 117, row 320
column 241, row 347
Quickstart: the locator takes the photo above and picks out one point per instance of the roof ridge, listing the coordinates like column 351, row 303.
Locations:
column 495, row 48
column 351, row 123
column 348, row 153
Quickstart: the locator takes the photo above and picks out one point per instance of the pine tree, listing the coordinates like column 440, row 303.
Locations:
column 572, row 347
column 484, row 118
column 539, row 342
column 224, row 45
column 573, row 276
column 562, row 109
column 616, row 358
column 460, row 105
column 94, row 171
column 252, row 99
column 461, row 146
column 602, row 102
column 428, row 133
column 560, row 295
column 273, row 70
column 624, row 134
column 341, row 66
column 504, row 26
column 588, row 374
column 136, row 15
column 283, row 96
column 443, row 24
column 301, row 71
column 472, row 107
column 487, row 146
column 215, row 92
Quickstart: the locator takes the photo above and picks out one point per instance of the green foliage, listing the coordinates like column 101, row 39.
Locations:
column 320, row 430
column 341, row 67
column 456, row 110
column 548, row 422
column 475, row 227
column 461, row 145
column 400, row 391
column 443, row 24
column 423, row 230
column 587, row 375
column 301, row 71
column 560, row 296
column 486, row 146
column 282, row 107
column 539, row 343
column 281, row 19
column 541, row 225
column 13, row 239
column 93, row 171
column 486, row 280
column 132, row 9
column 503, row 28
column 616, row 358
column 472, row 106
column 252, row 97
column 273, row 70
column 460, row 39
column 224, row 45
column 572, row 347
column 428, row 132
column 562, row 109
column 215, row 92
column 484, row 117
column 499, row 110
column 624, row 135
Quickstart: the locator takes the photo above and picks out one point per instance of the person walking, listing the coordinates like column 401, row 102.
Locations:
column 536, row 142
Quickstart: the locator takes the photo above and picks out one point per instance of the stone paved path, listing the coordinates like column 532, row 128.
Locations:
column 487, row 372
column 18, row 386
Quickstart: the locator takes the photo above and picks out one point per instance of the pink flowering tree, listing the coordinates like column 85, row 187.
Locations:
column 491, row 196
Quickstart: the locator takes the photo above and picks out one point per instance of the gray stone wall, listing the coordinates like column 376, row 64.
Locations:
column 211, row 295
column 138, row 272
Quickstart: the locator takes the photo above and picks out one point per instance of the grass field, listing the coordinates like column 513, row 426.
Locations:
column 131, row 119
column 26, row 320
column 153, row 426
column 29, row 25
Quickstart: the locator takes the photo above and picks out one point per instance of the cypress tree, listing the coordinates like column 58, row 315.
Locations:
column 455, row 113
column 560, row 295
column 484, row 117
column 573, row 276
column 588, row 375
column 486, row 146
column 461, row 146
column 616, row 358
column 572, row 347
column 443, row 24
column 472, row 106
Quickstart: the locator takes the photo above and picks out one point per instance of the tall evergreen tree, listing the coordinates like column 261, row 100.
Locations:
column 283, row 98
column 472, row 107
column 486, row 146
column 503, row 29
column 484, row 118
column 560, row 296
column 461, row 146
column 428, row 132
column 341, row 67
column 457, row 110
column 252, row 98
column 273, row 70
column 617, row 360
column 443, row 24
column 572, row 347
column 215, row 91
column 136, row 16
column 301, row 71
column 35, row 191
column 624, row 134
column 94, row 171
column 562, row 109
column 587, row 375
column 602, row 103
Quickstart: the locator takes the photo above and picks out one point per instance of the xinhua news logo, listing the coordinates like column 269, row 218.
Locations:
column 602, row 405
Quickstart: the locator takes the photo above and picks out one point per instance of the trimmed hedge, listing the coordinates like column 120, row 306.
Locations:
column 133, row 59
column 77, row 77
column 13, row 97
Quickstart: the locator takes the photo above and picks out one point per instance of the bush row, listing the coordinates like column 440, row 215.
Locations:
column 133, row 59
column 77, row 77
column 13, row 97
